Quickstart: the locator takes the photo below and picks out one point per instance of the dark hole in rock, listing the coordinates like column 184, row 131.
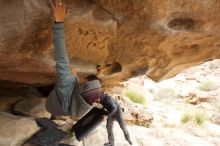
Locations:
column 109, row 69
column 45, row 90
column 181, row 24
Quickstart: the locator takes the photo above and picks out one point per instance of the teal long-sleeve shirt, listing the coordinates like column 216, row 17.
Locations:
column 65, row 80
column 65, row 98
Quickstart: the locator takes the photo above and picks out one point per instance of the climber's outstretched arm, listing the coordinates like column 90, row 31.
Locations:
column 64, row 73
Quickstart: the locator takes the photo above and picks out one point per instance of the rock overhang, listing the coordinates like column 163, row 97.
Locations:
column 157, row 38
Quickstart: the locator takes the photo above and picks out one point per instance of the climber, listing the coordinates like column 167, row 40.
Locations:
column 73, row 96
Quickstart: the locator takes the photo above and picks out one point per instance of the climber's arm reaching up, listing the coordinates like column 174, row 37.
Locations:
column 64, row 73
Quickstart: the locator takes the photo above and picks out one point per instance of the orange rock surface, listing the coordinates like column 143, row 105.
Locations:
column 154, row 37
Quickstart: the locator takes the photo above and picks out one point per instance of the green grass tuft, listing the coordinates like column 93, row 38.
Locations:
column 186, row 118
column 135, row 97
column 196, row 117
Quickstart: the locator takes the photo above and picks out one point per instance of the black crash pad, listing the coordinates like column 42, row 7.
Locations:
column 88, row 123
column 47, row 137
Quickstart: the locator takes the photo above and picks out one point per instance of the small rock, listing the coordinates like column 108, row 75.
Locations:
column 193, row 100
column 196, row 98
column 204, row 99
column 34, row 107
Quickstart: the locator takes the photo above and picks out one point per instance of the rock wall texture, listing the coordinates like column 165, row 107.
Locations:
column 156, row 37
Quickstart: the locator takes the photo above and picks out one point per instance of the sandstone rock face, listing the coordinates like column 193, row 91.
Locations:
column 8, row 98
column 14, row 131
column 154, row 36
column 34, row 107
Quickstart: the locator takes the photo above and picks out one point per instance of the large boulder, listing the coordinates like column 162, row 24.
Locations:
column 154, row 36
column 8, row 98
column 34, row 107
column 14, row 131
column 135, row 113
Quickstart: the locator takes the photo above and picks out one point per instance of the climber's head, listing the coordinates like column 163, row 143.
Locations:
column 90, row 88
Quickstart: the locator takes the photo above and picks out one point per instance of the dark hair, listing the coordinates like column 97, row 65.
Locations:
column 93, row 77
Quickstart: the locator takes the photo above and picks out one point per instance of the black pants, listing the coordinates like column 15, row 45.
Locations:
column 119, row 117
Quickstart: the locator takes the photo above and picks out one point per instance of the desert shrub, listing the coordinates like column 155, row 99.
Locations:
column 196, row 117
column 165, row 93
column 186, row 118
column 135, row 96
column 208, row 85
column 200, row 118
